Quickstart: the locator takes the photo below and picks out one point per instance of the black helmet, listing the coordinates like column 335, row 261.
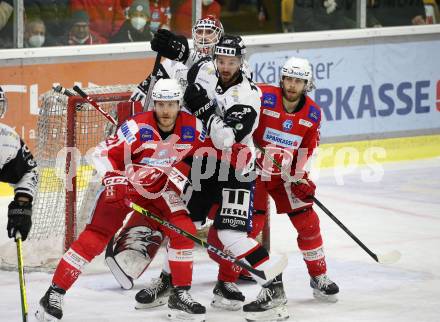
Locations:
column 230, row 46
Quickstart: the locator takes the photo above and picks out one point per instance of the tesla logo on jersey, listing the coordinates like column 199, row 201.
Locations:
column 269, row 100
column 188, row 134
column 314, row 114
column 287, row 125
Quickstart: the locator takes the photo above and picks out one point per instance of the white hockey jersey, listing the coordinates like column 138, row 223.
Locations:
column 238, row 107
column 17, row 165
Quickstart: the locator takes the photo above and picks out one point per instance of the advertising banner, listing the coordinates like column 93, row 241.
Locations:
column 368, row 89
column 25, row 83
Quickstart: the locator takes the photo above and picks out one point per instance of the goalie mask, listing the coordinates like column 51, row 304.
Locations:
column 299, row 68
column 206, row 33
column 3, row 103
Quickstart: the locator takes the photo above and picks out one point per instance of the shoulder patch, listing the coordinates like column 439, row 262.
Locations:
column 268, row 100
column 314, row 114
column 187, row 134
column 146, row 134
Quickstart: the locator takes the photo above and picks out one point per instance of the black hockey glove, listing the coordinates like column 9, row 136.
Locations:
column 198, row 102
column 19, row 218
column 169, row 45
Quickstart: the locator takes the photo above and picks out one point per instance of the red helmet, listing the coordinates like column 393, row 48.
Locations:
column 206, row 33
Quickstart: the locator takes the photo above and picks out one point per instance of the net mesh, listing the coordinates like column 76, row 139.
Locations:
column 48, row 233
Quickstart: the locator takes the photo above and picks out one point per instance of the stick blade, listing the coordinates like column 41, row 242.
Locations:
column 389, row 258
column 276, row 269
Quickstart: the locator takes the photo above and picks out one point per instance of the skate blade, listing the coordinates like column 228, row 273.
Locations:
column 42, row 316
column 220, row 302
column 278, row 313
column 179, row 316
column 157, row 302
column 321, row 296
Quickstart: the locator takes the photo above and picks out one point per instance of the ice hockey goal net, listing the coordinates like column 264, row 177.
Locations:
column 67, row 128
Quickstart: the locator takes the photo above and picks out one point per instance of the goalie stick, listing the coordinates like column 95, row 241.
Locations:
column 267, row 274
column 387, row 258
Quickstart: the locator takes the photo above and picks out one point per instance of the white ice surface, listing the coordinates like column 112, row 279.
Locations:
column 401, row 211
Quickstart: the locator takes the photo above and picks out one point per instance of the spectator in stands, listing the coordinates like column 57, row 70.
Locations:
column 312, row 15
column 34, row 33
column 160, row 15
column 182, row 17
column 136, row 27
column 287, row 15
column 6, row 9
column 55, row 15
column 398, row 13
column 80, row 33
column 106, row 16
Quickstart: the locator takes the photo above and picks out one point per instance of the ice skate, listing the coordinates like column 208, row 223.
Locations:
column 324, row 289
column 155, row 294
column 183, row 307
column 270, row 304
column 51, row 305
column 227, row 296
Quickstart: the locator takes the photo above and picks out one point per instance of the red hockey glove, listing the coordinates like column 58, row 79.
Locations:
column 240, row 156
column 303, row 189
column 116, row 187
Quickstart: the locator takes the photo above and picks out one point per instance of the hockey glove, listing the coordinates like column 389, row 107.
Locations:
column 198, row 102
column 19, row 217
column 169, row 45
column 116, row 188
column 303, row 189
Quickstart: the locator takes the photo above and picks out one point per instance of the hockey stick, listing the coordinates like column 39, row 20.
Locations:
column 153, row 81
column 24, row 307
column 267, row 274
column 387, row 258
column 94, row 104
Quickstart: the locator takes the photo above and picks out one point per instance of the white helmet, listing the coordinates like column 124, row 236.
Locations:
column 206, row 33
column 299, row 68
column 167, row 89
column 3, row 102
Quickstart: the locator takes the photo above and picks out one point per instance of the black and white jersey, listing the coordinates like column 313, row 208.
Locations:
column 238, row 107
column 17, row 165
column 174, row 69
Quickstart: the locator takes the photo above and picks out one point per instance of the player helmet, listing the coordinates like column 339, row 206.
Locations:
column 3, row 102
column 167, row 89
column 230, row 46
column 299, row 68
column 206, row 33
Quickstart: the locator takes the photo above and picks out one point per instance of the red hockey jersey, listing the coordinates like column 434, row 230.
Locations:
column 286, row 136
column 138, row 152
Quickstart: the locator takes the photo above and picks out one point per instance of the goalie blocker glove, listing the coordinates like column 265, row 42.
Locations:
column 171, row 46
column 19, row 216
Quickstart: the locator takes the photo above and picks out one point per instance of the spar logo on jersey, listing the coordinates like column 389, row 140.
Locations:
column 128, row 129
column 287, row 125
column 268, row 100
column 146, row 134
column 314, row 114
column 187, row 134
column 285, row 140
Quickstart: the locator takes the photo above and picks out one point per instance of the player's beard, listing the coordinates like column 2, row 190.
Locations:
column 228, row 78
column 291, row 95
